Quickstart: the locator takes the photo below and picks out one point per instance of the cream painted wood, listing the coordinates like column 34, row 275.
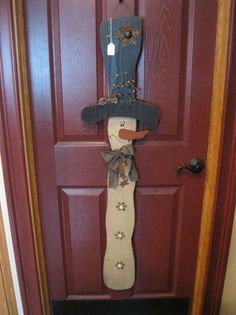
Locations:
column 119, row 263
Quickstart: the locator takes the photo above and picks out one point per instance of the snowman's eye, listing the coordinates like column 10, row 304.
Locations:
column 122, row 123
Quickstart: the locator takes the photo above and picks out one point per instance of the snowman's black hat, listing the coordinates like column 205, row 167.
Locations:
column 125, row 34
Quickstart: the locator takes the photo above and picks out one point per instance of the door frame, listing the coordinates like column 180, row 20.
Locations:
column 22, row 168
column 226, row 197
column 7, row 296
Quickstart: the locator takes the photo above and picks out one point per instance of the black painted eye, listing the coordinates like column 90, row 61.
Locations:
column 122, row 123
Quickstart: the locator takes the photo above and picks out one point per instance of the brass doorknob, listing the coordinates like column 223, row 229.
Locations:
column 196, row 165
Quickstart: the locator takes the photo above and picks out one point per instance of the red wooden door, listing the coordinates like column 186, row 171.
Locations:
column 66, row 74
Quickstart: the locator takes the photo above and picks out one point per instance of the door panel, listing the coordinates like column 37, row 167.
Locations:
column 158, row 205
column 74, row 32
column 82, row 221
column 66, row 74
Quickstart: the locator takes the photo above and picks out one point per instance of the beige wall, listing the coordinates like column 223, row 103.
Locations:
column 228, row 303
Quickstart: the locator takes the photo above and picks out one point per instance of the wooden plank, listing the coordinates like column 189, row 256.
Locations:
column 119, row 264
column 3, row 298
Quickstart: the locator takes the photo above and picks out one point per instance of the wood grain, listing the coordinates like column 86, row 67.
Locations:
column 78, row 165
column 213, row 155
column 83, row 210
column 75, row 80
column 7, row 295
column 164, row 41
column 3, row 298
column 112, row 8
column 155, row 272
column 157, row 158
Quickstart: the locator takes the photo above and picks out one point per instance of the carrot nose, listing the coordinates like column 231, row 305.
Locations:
column 127, row 134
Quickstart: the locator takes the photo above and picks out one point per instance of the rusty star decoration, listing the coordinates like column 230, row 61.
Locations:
column 120, row 265
column 124, row 182
column 127, row 35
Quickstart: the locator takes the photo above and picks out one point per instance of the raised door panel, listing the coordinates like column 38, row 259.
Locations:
column 164, row 42
column 155, row 238
column 77, row 67
column 82, row 220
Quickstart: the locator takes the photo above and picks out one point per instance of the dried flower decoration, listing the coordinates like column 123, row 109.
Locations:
column 127, row 35
column 120, row 265
column 121, row 206
column 120, row 235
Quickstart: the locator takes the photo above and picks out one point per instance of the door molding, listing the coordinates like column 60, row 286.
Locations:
column 217, row 121
column 27, row 137
column 226, row 199
column 16, row 149
column 7, row 295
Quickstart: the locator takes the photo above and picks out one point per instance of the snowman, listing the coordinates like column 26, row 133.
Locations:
column 124, row 112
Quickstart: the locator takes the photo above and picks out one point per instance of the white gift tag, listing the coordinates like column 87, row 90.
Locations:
column 111, row 49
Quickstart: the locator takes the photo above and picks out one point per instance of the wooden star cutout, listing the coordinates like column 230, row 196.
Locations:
column 124, row 183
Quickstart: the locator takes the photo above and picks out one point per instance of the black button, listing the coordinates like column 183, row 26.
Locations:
column 128, row 34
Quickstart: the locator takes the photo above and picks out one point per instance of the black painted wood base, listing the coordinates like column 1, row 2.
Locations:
column 124, row 307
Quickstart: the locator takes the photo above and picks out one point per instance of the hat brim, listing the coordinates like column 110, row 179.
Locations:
column 146, row 113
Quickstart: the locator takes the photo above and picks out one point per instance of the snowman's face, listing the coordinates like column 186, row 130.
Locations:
column 113, row 128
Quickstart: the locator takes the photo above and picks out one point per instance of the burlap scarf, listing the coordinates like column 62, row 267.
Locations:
column 117, row 157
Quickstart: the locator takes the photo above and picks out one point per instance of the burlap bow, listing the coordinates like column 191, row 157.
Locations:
column 116, row 158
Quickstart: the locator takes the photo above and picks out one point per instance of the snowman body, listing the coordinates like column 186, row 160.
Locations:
column 123, row 109
column 119, row 262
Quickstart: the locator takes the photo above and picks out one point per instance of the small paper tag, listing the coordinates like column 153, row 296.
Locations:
column 111, row 49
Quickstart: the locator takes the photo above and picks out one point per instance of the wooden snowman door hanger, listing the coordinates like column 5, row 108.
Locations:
column 121, row 45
